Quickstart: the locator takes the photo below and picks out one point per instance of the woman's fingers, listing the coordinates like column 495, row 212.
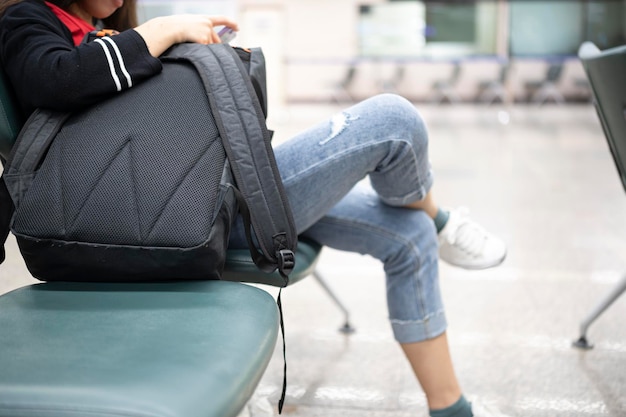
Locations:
column 221, row 21
column 224, row 21
column 215, row 38
column 162, row 32
column 209, row 23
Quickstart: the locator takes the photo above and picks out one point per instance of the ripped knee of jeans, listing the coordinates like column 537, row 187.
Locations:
column 338, row 123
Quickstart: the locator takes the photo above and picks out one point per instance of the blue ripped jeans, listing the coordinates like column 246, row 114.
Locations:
column 384, row 138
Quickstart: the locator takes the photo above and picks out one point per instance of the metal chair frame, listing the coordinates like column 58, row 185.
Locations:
column 605, row 71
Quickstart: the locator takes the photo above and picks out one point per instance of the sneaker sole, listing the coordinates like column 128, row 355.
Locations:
column 479, row 267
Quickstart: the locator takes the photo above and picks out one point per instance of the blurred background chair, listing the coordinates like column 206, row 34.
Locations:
column 490, row 91
column 392, row 85
column 583, row 88
column 341, row 90
column 606, row 72
column 539, row 92
column 445, row 90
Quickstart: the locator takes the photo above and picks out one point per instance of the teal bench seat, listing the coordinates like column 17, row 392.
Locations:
column 184, row 349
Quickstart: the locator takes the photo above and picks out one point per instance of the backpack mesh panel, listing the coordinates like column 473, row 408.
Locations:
column 143, row 168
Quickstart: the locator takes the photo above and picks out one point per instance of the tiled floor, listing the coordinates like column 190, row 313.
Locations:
column 544, row 180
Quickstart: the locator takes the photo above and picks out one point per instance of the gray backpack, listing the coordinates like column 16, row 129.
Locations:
column 146, row 184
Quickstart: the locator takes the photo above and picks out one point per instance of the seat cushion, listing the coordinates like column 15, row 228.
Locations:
column 184, row 349
column 240, row 267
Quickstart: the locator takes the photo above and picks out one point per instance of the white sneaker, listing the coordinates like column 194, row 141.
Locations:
column 481, row 410
column 464, row 243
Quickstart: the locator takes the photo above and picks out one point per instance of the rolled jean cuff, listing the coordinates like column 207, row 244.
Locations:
column 417, row 194
column 411, row 331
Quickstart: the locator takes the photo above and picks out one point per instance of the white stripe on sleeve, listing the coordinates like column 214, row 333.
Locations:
column 111, row 66
column 120, row 60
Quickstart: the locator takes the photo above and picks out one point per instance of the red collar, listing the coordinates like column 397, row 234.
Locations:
column 76, row 25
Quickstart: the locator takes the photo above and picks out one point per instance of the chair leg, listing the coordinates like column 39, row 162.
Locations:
column 438, row 98
column 492, row 94
column 453, row 97
column 546, row 92
column 347, row 327
column 596, row 312
column 341, row 96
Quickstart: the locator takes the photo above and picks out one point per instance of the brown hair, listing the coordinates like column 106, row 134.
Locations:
column 6, row 3
column 124, row 18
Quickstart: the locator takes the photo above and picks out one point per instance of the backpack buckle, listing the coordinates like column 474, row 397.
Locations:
column 286, row 261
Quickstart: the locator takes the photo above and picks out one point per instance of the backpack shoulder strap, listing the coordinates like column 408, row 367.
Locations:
column 29, row 149
column 245, row 137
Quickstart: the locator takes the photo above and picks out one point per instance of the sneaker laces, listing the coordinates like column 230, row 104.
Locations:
column 466, row 234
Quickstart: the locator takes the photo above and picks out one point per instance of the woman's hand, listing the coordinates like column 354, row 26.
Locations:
column 162, row 32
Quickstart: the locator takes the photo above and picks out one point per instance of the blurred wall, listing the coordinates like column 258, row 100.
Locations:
column 311, row 44
column 321, row 43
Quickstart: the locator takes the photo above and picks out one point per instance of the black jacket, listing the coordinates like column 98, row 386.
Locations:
column 46, row 69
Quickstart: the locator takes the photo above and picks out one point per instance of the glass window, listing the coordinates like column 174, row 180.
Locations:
column 433, row 28
column 451, row 22
column 546, row 27
column 461, row 28
column 392, row 29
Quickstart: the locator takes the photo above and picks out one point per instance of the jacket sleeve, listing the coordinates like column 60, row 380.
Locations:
column 47, row 70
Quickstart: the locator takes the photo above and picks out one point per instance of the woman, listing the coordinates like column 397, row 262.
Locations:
column 395, row 219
